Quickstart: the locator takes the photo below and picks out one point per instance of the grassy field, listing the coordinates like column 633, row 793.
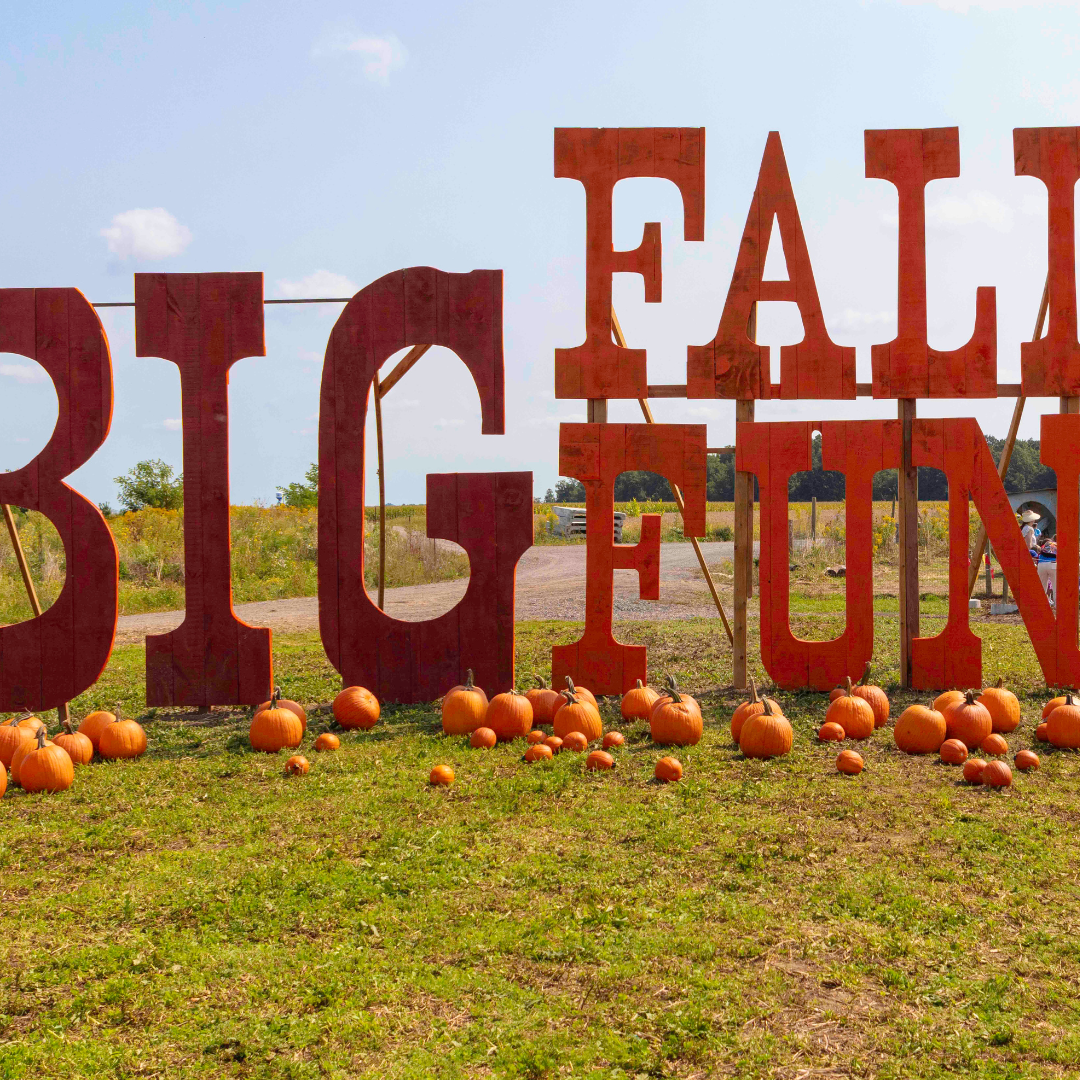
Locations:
column 197, row 914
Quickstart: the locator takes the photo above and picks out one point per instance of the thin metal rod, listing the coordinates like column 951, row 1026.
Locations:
column 382, row 491
column 308, row 300
column 621, row 342
column 1010, row 441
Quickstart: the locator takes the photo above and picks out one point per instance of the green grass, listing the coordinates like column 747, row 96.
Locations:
column 197, row 914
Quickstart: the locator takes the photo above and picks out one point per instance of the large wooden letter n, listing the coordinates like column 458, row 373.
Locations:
column 596, row 454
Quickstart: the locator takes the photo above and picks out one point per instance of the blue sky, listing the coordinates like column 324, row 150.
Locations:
column 326, row 144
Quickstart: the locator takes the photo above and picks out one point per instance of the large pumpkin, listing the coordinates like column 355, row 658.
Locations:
column 467, row 685
column 46, row 767
column 12, row 736
column 968, row 721
column 874, row 696
column 1003, row 707
column 356, row 707
column 77, row 745
column 753, row 705
column 669, row 695
column 275, row 729
column 768, row 734
column 510, row 716
column 1063, row 725
column 95, row 723
column 853, row 714
column 545, row 702
column 293, row 706
column 675, row 719
column 463, row 710
column 638, row 702
column 920, row 730
column 125, row 739
column 949, row 697
column 578, row 714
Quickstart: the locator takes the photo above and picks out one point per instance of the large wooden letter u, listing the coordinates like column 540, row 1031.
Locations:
column 488, row 514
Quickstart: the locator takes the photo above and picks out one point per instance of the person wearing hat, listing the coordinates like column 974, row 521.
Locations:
column 1027, row 529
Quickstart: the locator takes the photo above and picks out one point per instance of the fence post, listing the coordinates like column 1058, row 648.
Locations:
column 813, row 519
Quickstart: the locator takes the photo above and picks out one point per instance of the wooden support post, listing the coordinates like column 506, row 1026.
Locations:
column 596, row 411
column 744, row 552
column 813, row 519
column 1070, row 405
column 989, row 575
column 908, row 477
column 377, row 390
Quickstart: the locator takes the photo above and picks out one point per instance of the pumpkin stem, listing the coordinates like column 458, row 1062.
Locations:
column 40, row 736
column 1068, row 697
column 639, row 686
column 767, row 704
column 969, row 697
column 571, row 697
column 541, row 682
column 66, row 725
column 865, row 675
column 273, row 699
column 847, row 686
column 754, row 699
column 1001, row 681
column 468, row 679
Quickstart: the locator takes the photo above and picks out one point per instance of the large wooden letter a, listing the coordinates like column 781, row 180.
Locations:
column 488, row 514
column 204, row 323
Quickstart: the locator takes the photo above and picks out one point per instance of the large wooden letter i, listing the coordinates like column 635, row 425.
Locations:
column 204, row 323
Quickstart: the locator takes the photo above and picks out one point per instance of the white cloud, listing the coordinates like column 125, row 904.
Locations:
column 24, row 373
column 851, row 321
column 379, row 54
column 977, row 207
column 146, row 235
column 173, row 425
column 322, row 283
column 443, row 422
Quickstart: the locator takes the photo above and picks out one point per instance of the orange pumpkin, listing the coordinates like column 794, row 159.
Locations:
column 3, row 781
column 467, row 685
column 973, row 770
column 509, row 715
column 327, row 741
column 768, row 734
column 675, row 719
column 950, row 697
column 581, row 692
column 920, row 730
column 538, row 752
column 1063, row 725
column 953, row 752
column 668, row 770
column 356, row 707
column 667, row 696
column 544, row 701
column 535, row 736
column 555, row 743
column 77, row 745
column 577, row 714
column 463, row 710
column 968, row 721
column 575, row 741
column 850, row 762
column 1051, row 705
column 613, row 738
column 994, row 744
column 441, row 776
column 638, row 702
column 753, row 706
column 125, row 739
column 34, row 723
column 1040, row 732
column 599, row 761
column 46, row 767
column 17, row 758
column 1003, row 707
column 874, row 696
column 837, row 692
column 831, row 732
column 275, row 729
column 853, row 714
column 997, row 774
column 1027, row 759
column 297, row 765
column 95, row 723
column 483, row 738
column 293, row 706
column 12, row 736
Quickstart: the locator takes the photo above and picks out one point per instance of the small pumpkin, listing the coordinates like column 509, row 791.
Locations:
column 854, row 714
column 920, row 730
column 544, row 701
column 581, row 693
column 1003, row 707
column 535, row 736
column 292, row 706
column 994, row 744
column 850, row 762
column 599, row 761
column 12, row 736
column 77, row 745
column 953, row 752
column 441, row 776
column 538, row 752
column 668, row 770
column 874, row 696
column 297, row 765
column 997, row 774
column 1026, row 759
column 1051, row 705
column 675, row 719
column 483, row 738
column 973, row 770
column 46, row 767
column 574, row 740
column 3, row 780
column 126, row 739
column 950, row 697
column 768, row 734
column 837, row 692
column 578, row 714
column 555, row 743
column 275, row 729
column 613, row 738
column 327, row 741
column 509, row 715
column 1063, row 725
column 356, row 707
column 1040, row 732
column 95, row 723
column 463, row 710
column 637, row 703
column 968, row 721
column 753, row 706
column 831, row 732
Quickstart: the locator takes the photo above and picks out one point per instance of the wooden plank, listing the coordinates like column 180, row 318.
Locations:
column 744, row 550
column 907, row 476
column 377, row 393
column 404, row 365
column 678, row 390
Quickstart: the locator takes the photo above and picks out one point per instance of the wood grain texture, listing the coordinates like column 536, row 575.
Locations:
column 205, row 323
column 733, row 365
column 48, row 660
column 907, row 367
column 596, row 454
column 775, row 452
column 1050, row 366
column 599, row 158
column 488, row 514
